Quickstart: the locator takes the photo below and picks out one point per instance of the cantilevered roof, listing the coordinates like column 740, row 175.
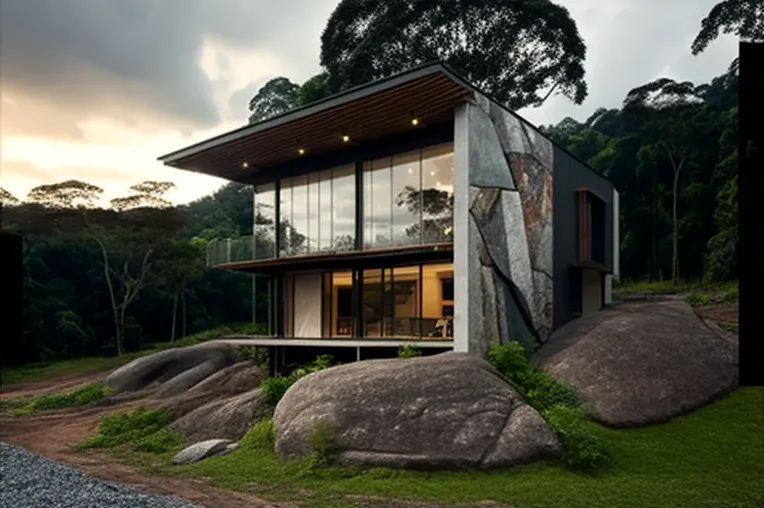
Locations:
column 365, row 113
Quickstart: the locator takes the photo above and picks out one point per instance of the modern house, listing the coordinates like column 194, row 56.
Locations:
column 412, row 210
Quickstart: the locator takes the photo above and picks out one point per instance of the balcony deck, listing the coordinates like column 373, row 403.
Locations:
column 238, row 254
column 266, row 340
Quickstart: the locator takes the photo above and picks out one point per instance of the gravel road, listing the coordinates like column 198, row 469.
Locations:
column 29, row 480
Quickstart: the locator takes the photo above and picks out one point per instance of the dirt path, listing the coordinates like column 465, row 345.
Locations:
column 55, row 434
column 37, row 388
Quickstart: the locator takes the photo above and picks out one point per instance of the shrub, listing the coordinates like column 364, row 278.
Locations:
column 408, row 351
column 323, row 442
column 273, row 388
column 698, row 299
column 79, row 397
column 131, row 427
column 583, row 450
column 160, row 442
column 538, row 388
column 261, row 436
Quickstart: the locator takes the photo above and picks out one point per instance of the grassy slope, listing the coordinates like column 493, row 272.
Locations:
column 711, row 458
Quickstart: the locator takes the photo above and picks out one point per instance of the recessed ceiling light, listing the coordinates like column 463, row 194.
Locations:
column 345, row 138
column 245, row 165
column 415, row 121
column 301, row 151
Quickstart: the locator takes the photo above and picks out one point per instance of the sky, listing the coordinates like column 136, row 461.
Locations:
column 96, row 90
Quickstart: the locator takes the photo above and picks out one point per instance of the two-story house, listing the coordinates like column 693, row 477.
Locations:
column 412, row 210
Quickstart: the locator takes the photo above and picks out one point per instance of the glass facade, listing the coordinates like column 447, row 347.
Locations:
column 407, row 200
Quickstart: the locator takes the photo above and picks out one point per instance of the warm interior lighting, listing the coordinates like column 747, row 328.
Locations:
column 301, row 151
column 345, row 138
column 245, row 165
column 415, row 121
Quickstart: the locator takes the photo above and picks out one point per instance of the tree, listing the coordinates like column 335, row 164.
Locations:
column 6, row 198
column 145, row 194
column 180, row 265
column 674, row 107
column 520, row 52
column 314, row 89
column 436, row 207
column 276, row 97
column 68, row 194
column 744, row 18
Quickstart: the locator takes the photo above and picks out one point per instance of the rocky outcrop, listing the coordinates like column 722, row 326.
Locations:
column 228, row 418
column 448, row 411
column 641, row 363
column 177, row 369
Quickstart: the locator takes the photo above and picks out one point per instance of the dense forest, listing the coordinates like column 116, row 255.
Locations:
column 109, row 280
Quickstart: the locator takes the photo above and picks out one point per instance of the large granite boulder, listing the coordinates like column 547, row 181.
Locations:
column 641, row 363
column 188, row 364
column 448, row 411
column 228, row 418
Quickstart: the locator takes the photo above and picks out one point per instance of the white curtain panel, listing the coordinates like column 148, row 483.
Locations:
column 307, row 305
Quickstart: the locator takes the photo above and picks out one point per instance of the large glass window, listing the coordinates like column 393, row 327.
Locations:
column 408, row 198
column 318, row 212
column 437, row 194
column 265, row 222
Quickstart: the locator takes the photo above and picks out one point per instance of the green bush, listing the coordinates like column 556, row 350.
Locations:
column 583, row 450
column 558, row 402
column 137, row 427
column 261, row 436
column 161, row 441
column 408, row 351
column 542, row 392
column 538, row 388
column 697, row 299
column 79, row 397
column 273, row 388
column 323, row 442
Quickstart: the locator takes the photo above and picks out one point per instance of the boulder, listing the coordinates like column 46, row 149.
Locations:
column 237, row 378
column 166, row 365
column 229, row 418
column 641, row 363
column 447, row 411
column 202, row 450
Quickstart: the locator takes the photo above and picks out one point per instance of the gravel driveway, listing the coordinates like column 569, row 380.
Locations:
column 29, row 480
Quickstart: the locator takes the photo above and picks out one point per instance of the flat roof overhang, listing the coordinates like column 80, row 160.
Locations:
column 270, row 341
column 370, row 258
column 367, row 113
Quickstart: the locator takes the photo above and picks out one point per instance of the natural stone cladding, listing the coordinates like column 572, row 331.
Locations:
column 511, row 237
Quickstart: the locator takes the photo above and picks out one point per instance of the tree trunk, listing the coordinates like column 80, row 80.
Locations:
column 119, row 338
column 675, row 238
column 654, row 243
column 174, row 316
column 183, row 302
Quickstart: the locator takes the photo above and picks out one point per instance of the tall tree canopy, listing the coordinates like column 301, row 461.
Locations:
column 276, row 97
column 519, row 51
column 744, row 18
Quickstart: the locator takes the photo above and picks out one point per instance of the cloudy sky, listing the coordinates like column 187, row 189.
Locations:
column 96, row 90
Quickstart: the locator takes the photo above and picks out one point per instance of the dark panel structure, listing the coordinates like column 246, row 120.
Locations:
column 12, row 290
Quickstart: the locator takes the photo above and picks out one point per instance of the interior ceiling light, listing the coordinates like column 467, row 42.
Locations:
column 415, row 121
column 245, row 165
column 301, row 151
column 345, row 138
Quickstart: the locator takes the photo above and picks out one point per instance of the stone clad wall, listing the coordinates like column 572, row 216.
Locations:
column 509, row 228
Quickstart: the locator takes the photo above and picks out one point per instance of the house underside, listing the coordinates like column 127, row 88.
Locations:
column 411, row 211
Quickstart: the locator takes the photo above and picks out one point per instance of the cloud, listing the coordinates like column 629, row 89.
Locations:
column 632, row 42
column 139, row 61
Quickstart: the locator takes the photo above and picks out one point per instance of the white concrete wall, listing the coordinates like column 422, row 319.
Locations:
column 461, row 228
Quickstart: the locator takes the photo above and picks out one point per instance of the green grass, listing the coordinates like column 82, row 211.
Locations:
column 82, row 366
column 712, row 458
column 78, row 397
column 661, row 287
column 143, row 430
